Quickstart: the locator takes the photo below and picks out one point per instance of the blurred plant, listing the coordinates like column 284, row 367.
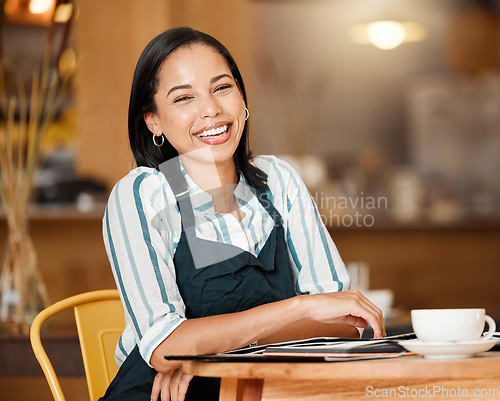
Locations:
column 24, row 122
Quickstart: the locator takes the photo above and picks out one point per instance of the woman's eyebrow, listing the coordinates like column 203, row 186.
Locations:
column 179, row 87
column 215, row 79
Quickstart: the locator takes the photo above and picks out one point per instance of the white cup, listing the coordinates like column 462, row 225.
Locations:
column 451, row 325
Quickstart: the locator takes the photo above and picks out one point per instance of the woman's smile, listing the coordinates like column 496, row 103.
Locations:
column 214, row 134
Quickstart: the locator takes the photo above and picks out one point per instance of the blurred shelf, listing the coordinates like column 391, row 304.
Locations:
column 63, row 212
column 72, row 212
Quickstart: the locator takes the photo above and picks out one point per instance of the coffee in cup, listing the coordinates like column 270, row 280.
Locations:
column 451, row 325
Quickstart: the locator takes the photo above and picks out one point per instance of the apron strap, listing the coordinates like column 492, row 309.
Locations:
column 263, row 198
column 171, row 169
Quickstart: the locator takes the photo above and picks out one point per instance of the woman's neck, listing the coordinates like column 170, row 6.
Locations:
column 217, row 179
column 209, row 174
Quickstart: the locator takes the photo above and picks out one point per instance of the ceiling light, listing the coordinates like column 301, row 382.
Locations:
column 387, row 34
column 40, row 6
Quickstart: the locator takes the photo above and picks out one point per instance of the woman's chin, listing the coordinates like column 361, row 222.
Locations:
column 224, row 152
column 223, row 157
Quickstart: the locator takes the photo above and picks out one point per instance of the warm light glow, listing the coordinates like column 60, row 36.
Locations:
column 10, row 6
column 67, row 63
column 63, row 13
column 40, row 6
column 386, row 34
column 415, row 32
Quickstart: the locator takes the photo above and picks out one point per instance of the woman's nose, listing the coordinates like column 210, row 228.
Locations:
column 209, row 107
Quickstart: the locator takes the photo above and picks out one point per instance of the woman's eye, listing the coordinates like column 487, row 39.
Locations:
column 182, row 99
column 223, row 87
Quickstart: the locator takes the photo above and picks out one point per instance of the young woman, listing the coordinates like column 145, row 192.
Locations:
column 211, row 249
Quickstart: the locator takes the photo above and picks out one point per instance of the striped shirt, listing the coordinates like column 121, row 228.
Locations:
column 142, row 227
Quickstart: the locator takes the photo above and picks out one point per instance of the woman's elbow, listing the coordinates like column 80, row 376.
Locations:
column 162, row 365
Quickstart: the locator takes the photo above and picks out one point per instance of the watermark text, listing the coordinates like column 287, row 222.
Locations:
column 431, row 392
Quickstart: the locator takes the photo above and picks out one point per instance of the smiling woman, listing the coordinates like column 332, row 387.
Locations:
column 212, row 249
column 196, row 82
column 143, row 98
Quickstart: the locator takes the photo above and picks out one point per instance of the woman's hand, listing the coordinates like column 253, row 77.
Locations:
column 349, row 307
column 170, row 386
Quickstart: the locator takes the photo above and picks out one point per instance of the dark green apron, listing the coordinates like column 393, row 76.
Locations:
column 221, row 278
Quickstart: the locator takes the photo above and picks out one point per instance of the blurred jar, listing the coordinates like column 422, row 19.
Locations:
column 407, row 194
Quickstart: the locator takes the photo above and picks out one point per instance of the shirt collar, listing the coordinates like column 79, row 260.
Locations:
column 203, row 201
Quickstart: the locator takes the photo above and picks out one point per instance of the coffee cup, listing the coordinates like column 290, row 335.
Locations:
column 451, row 325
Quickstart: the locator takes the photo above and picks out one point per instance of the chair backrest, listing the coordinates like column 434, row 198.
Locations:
column 100, row 322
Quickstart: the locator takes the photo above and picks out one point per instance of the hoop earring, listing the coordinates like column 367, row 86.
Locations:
column 156, row 143
column 248, row 113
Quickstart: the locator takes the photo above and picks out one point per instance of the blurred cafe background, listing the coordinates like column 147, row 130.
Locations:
column 389, row 109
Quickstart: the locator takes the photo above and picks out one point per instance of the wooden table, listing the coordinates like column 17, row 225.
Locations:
column 407, row 377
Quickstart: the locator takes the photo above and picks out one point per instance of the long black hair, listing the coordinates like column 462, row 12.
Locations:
column 145, row 86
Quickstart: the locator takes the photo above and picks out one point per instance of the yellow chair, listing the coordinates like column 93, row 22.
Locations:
column 100, row 322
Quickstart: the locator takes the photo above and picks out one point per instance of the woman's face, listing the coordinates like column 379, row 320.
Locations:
column 198, row 103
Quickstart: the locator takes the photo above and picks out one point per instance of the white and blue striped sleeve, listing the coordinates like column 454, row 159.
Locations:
column 137, row 230
column 315, row 258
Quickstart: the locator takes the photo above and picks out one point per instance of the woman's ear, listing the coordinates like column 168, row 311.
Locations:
column 150, row 120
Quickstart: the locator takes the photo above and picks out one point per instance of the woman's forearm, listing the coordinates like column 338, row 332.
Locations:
column 220, row 333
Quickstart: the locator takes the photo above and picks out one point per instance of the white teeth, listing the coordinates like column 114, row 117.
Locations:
column 213, row 132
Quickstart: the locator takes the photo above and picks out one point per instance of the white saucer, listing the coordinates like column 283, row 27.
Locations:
column 442, row 350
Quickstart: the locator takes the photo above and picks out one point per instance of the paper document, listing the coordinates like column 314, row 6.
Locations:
column 320, row 349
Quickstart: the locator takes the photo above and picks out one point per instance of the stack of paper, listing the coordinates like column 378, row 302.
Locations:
column 331, row 348
column 318, row 349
